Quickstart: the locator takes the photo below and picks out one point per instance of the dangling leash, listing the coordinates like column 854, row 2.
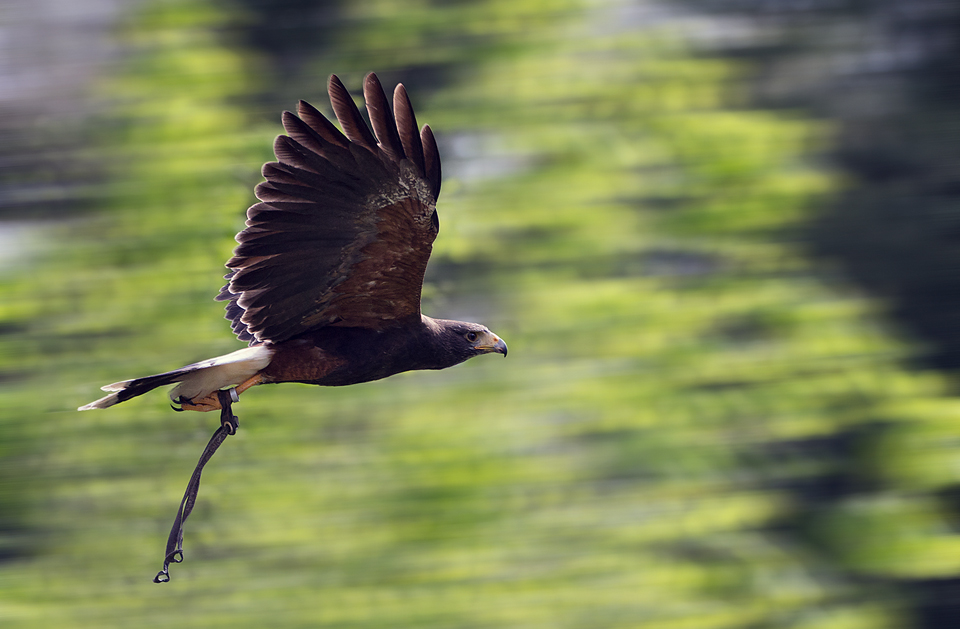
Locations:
column 229, row 423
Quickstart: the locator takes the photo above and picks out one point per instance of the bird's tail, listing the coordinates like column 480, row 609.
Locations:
column 196, row 380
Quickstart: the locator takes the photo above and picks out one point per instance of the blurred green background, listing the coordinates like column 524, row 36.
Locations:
column 719, row 239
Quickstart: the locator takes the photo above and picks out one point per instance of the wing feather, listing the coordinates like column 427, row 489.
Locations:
column 345, row 223
column 407, row 127
column 382, row 120
column 431, row 158
column 319, row 125
column 349, row 116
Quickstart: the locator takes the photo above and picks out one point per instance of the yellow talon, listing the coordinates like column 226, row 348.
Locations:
column 204, row 405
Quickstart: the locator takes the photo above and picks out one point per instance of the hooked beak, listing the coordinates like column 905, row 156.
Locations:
column 497, row 346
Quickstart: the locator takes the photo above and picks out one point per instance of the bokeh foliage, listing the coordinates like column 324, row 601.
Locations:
column 692, row 429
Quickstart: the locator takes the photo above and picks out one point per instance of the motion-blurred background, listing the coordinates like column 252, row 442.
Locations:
column 719, row 237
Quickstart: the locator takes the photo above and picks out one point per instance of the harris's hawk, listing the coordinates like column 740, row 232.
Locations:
column 325, row 283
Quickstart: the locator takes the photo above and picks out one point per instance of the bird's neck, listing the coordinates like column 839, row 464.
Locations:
column 433, row 349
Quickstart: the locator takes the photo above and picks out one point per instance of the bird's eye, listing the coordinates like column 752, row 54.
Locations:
column 471, row 336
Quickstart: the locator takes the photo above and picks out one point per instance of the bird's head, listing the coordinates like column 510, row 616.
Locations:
column 461, row 340
column 477, row 339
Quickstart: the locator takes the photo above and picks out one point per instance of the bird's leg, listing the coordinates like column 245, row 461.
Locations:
column 212, row 402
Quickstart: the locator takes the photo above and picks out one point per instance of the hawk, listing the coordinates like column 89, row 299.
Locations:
column 326, row 279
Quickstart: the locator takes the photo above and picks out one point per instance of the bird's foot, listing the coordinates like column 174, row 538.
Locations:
column 205, row 404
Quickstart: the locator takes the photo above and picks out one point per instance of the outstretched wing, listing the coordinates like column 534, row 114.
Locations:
column 345, row 225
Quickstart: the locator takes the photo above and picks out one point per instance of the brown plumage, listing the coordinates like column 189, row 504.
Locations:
column 325, row 282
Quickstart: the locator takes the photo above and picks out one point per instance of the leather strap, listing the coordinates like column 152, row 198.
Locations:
column 229, row 423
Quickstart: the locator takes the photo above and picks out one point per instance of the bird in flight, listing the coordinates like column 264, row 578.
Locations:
column 325, row 282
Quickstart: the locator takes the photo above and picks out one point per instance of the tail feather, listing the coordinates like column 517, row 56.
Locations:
column 123, row 391
column 196, row 380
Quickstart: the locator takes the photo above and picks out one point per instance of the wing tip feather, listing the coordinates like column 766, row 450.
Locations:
column 431, row 160
column 348, row 115
column 382, row 118
column 406, row 123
